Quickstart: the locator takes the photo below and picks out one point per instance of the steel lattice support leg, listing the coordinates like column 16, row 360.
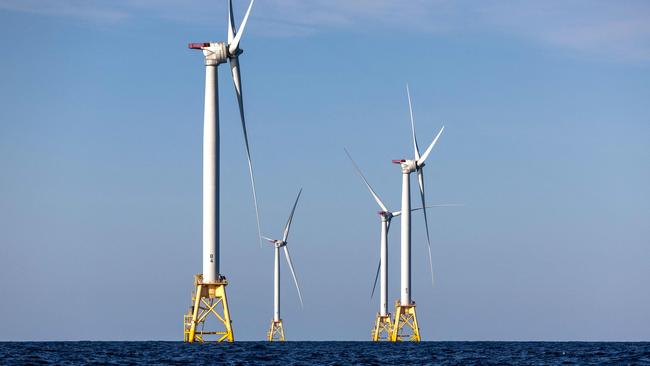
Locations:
column 383, row 328
column 208, row 299
column 406, row 324
column 276, row 332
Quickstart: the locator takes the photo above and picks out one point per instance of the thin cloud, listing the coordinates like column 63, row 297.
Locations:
column 617, row 30
column 94, row 11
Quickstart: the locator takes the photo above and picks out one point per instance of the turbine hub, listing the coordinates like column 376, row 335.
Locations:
column 237, row 52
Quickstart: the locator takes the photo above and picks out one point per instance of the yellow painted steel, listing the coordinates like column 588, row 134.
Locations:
column 276, row 332
column 208, row 299
column 383, row 328
column 405, row 327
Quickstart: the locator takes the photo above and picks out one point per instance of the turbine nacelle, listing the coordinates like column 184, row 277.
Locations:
column 385, row 214
column 408, row 166
column 215, row 52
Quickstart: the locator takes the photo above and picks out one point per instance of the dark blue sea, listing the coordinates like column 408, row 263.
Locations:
column 325, row 353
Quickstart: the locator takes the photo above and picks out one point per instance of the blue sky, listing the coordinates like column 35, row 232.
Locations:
column 547, row 143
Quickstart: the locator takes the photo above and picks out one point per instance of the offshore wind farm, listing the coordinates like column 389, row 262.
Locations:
column 471, row 173
column 209, row 298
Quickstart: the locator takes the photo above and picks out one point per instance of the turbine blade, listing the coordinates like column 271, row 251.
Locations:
column 236, row 77
column 285, row 235
column 372, row 192
column 397, row 213
column 293, row 273
column 234, row 45
column 415, row 140
column 268, row 239
column 388, row 225
column 440, row 205
column 374, row 285
column 231, row 23
column 426, row 153
column 426, row 222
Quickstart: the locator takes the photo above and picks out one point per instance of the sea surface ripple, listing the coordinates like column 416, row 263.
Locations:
column 325, row 353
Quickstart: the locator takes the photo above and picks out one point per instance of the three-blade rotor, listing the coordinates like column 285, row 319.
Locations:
column 419, row 164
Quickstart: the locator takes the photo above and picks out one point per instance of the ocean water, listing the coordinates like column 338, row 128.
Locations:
column 325, row 353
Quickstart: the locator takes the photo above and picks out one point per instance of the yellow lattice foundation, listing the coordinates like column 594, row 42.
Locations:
column 208, row 299
column 382, row 329
column 406, row 324
column 276, row 332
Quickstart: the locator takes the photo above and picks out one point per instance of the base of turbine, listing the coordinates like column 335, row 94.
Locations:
column 406, row 327
column 383, row 328
column 208, row 299
column 276, row 331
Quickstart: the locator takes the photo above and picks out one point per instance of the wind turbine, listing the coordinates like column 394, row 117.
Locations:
column 382, row 328
column 210, row 285
column 276, row 331
column 383, row 323
column 405, row 316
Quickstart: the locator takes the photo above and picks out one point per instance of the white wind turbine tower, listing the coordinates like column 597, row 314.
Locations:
column 276, row 331
column 210, row 285
column 405, row 316
column 383, row 323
